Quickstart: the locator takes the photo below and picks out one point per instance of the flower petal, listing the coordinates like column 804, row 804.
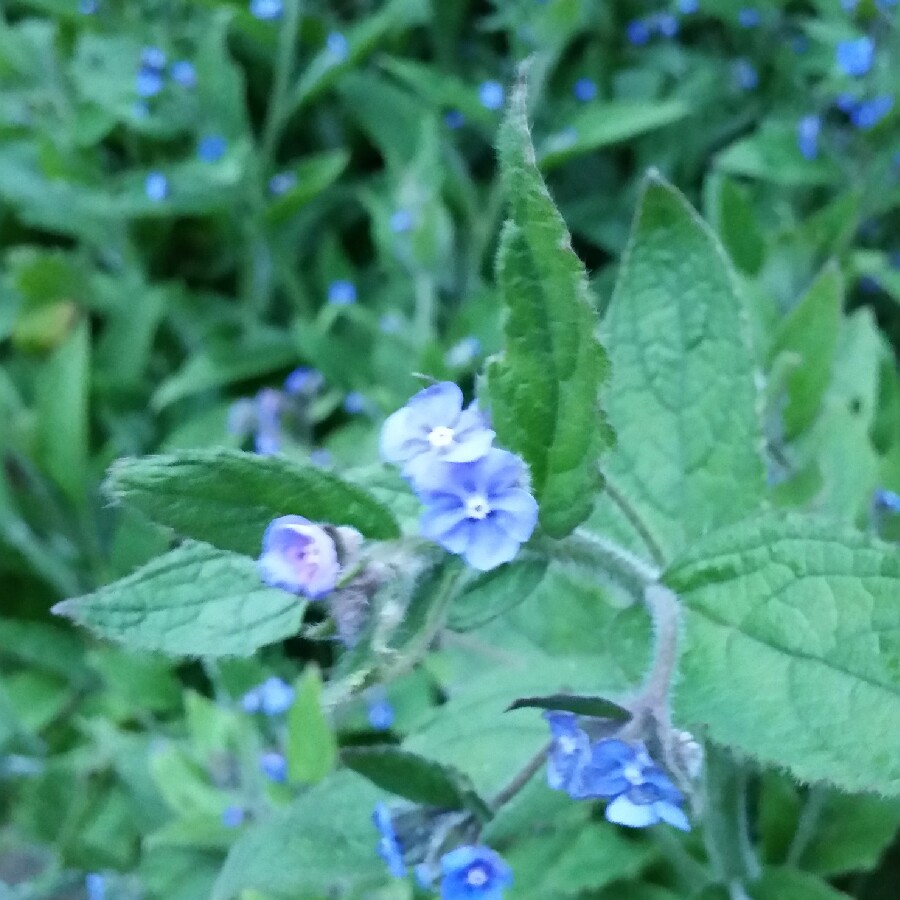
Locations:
column 672, row 814
column 489, row 546
column 623, row 812
column 438, row 404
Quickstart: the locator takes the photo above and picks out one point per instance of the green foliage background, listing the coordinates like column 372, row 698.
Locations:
column 752, row 364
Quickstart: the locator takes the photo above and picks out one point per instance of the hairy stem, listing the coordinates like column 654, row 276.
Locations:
column 662, row 605
column 807, row 825
column 636, row 522
column 521, row 778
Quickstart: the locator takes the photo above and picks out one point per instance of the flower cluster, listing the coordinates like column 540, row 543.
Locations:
column 476, row 496
column 639, row 792
column 272, row 698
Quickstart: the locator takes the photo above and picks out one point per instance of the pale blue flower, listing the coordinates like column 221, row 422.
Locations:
column 688, row 6
column 299, row 556
column 241, row 417
column 281, row 183
column 266, row 10
column 454, row 119
column 638, row 32
column 433, row 427
column 491, row 94
column 273, row 697
column 667, row 24
column 808, row 129
column 640, row 793
column 585, row 89
column 745, row 74
column 474, row 873
column 355, row 403
column 148, row 82
column 184, row 73
column 88, row 7
column 888, row 500
column 868, row 113
column 274, row 766
column 342, row 293
column 855, row 57
column 463, row 353
column 570, row 753
column 233, row 816
column 268, row 404
column 337, row 46
column 303, row 380
column 211, row 148
column 95, row 886
column 380, row 712
column 156, row 186
column 153, row 58
column 388, row 845
column 401, row 221
column 748, row 17
column 320, row 457
column 480, row 510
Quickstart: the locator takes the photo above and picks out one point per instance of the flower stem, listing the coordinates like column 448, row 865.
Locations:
column 284, row 64
column 521, row 778
column 807, row 825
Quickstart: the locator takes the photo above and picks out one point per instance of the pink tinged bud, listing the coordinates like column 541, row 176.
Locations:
column 299, row 556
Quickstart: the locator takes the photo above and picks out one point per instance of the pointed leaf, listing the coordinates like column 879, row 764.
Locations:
column 580, row 704
column 311, row 748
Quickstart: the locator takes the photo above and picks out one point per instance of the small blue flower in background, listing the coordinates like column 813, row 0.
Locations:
column 855, row 57
column 272, row 698
column 849, row 5
column 299, row 556
column 641, row 794
column 401, row 221
column 454, row 119
column 585, row 89
column 868, row 113
column 463, row 353
column 638, row 32
column 886, row 4
column 233, row 816
column 156, row 186
column 474, row 873
column 274, row 766
column 479, row 510
column 267, row 443
column 885, row 499
column 667, row 24
column 846, row 102
column 342, row 293
column 153, row 58
column 570, row 753
column 491, row 94
column 337, row 46
column 808, row 129
column 748, row 17
column 281, row 183
column 95, row 886
column 745, row 74
column 88, row 7
column 687, row 7
column 380, row 712
column 184, row 73
column 266, row 9
column 267, row 408
column 433, row 427
column 355, row 403
column 304, row 380
column 211, row 148
column 388, row 845
column 320, row 457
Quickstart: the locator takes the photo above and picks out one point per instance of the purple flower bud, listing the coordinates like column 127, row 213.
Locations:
column 274, row 766
column 266, row 10
column 491, row 94
column 342, row 293
column 211, row 148
column 855, row 57
column 473, row 872
column 434, row 427
column 156, row 187
column 480, row 510
column 184, row 73
column 299, row 556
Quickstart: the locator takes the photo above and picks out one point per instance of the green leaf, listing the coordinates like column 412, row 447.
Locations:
column 543, row 390
column 314, row 174
column 493, row 593
column 193, row 601
column 322, row 844
column 227, row 498
column 416, row 778
column 810, row 334
column 779, row 884
column 791, row 650
column 311, row 747
column 683, row 397
column 603, row 124
column 731, row 213
column 580, row 704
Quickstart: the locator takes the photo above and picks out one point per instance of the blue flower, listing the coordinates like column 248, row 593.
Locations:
column 745, row 74
column 211, row 148
column 454, row 119
column 491, row 94
column 433, row 427
column 849, row 5
column 274, row 766
column 585, row 89
column 855, row 57
column 885, row 499
column 355, row 403
column 667, row 24
column 337, row 46
column 267, row 405
column 570, row 753
column 637, row 32
column 281, row 183
column 480, row 510
column 299, row 556
column 148, row 82
column 869, row 113
column 88, row 8
column 474, row 873
column 748, row 17
column 153, row 58
column 184, row 73
column 401, row 221
column 463, row 353
column 156, row 186
column 320, row 457
column 641, row 794
column 304, row 380
column 342, row 293
column 380, row 712
column 272, row 698
column 95, row 886
column 232, row 816
column 688, row 6
column 266, row 9
column 808, row 136
column 388, row 845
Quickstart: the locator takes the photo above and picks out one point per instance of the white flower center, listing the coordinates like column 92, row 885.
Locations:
column 440, row 437
column 477, row 507
column 476, row 876
column 634, row 774
column 567, row 744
